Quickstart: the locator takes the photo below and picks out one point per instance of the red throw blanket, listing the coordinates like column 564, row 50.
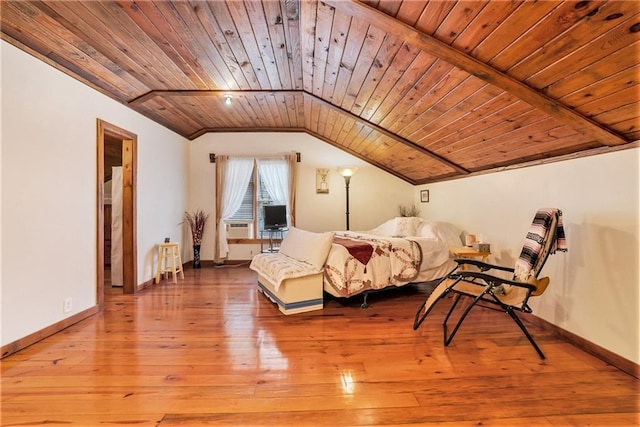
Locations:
column 361, row 251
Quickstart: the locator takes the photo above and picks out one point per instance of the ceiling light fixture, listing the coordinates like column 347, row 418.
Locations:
column 227, row 99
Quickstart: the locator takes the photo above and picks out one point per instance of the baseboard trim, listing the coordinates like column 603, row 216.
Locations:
column 147, row 284
column 601, row 353
column 212, row 264
column 33, row 338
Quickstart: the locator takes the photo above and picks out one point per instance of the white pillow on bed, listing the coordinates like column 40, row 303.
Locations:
column 445, row 231
column 312, row 248
column 406, row 226
column 387, row 228
column 398, row 226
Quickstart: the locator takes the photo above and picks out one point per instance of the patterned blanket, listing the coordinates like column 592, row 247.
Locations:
column 533, row 255
column 393, row 261
column 362, row 251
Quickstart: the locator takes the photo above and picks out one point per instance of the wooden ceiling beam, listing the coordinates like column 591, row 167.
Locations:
column 240, row 130
column 388, row 134
column 538, row 162
column 196, row 92
column 479, row 69
column 143, row 98
column 359, row 156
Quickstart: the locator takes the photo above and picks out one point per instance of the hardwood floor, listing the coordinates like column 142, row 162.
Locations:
column 214, row 351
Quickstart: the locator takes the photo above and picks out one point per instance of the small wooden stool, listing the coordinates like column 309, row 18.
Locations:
column 168, row 254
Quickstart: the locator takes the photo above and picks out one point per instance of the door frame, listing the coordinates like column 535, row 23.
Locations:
column 129, row 216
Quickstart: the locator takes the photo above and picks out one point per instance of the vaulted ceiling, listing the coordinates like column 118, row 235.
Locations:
column 426, row 90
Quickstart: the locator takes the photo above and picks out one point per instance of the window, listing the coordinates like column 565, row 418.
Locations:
column 256, row 196
column 273, row 182
column 264, row 198
column 246, row 210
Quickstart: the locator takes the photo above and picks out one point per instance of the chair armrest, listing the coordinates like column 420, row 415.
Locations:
column 483, row 266
column 493, row 280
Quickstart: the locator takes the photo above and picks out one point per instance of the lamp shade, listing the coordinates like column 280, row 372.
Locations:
column 347, row 171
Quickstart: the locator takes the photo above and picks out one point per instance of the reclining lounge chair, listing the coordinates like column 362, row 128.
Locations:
column 545, row 237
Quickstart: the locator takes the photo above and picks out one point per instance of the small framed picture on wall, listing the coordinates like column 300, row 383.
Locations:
column 424, row 196
column 322, row 178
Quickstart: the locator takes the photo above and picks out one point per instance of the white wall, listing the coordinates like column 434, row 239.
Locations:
column 48, row 142
column 374, row 195
column 594, row 291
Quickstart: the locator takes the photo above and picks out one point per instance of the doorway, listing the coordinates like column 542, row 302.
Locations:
column 117, row 145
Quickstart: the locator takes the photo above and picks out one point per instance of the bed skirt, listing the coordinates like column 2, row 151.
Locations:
column 296, row 295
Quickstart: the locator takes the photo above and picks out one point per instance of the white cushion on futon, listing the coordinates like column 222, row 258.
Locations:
column 307, row 246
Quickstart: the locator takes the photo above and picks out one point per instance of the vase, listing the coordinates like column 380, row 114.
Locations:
column 196, row 256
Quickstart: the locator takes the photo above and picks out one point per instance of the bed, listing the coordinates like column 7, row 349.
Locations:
column 345, row 263
column 400, row 251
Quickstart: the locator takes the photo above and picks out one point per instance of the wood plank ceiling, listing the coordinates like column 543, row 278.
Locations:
column 426, row 90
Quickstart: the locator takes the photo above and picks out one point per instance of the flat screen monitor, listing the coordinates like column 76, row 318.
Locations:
column 275, row 216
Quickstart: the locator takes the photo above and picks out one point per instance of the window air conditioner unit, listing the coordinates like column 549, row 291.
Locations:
column 239, row 230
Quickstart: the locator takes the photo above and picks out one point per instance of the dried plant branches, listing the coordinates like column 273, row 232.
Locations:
column 196, row 221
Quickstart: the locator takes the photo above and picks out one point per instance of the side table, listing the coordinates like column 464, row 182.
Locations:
column 273, row 238
column 468, row 252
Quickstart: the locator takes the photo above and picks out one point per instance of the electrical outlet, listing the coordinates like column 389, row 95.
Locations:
column 67, row 305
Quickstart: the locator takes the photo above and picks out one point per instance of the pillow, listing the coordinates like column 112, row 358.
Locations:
column 312, row 248
column 387, row 228
column 445, row 231
column 406, row 226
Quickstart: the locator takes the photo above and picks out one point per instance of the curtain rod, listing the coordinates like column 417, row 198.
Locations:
column 212, row 157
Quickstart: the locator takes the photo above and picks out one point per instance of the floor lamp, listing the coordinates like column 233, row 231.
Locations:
column 347, row 173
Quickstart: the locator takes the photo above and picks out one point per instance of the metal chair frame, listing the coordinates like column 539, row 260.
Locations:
column 487, row 288
column 490, row 283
